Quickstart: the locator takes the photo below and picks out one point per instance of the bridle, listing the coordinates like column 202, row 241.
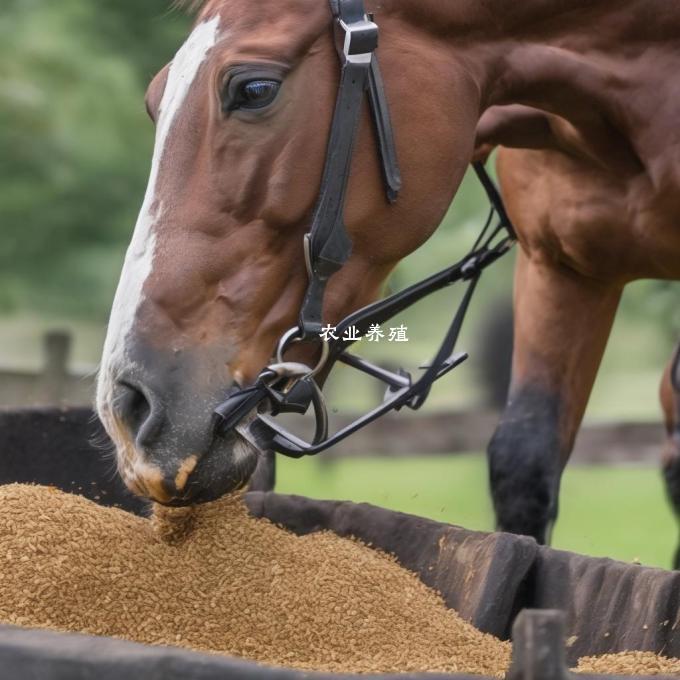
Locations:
column 288, row 387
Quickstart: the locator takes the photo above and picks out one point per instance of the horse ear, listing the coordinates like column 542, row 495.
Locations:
column 154, row 93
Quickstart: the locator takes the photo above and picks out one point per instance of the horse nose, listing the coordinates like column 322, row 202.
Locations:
column 139, row 412
column 159, row 415
column 163, row 485
column 133, row 406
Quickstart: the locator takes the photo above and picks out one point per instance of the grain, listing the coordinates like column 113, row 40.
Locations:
column 216, row 579
column 629, row 663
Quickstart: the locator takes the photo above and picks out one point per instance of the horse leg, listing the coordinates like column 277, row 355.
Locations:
column 670, row 402
column 562, row 323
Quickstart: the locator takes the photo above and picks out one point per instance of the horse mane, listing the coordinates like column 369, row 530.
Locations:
column 193, row 6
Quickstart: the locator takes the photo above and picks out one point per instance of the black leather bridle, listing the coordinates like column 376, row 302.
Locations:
column 287, row 387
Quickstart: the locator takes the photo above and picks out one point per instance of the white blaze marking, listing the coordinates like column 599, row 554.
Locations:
column 139, row 259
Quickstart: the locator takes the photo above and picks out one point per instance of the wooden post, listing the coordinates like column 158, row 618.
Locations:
column 538, row 648
column 57, row 347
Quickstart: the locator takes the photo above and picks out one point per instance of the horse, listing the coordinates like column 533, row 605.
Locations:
column 590, row 185
column 215, row 273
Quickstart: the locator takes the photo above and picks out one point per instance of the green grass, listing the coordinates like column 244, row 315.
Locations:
column 614, row 512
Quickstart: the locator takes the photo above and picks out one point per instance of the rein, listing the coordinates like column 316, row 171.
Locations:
column 287, row 387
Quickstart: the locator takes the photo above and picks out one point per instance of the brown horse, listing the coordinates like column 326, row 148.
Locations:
column 215, row 273
column 590, row 180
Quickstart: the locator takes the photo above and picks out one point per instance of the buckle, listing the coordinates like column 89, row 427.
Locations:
column 293, row 336
column 361, row 40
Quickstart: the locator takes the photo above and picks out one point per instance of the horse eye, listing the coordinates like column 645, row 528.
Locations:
column 257, row 94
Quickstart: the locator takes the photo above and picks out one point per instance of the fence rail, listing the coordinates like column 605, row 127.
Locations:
column 54, row 384
column 401, row 435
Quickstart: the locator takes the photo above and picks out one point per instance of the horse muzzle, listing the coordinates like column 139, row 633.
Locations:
column 168, row 445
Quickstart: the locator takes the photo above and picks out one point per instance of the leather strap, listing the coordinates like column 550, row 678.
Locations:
column 351, row 13
column 495, row 199
column 385, row 132
column 328, row 245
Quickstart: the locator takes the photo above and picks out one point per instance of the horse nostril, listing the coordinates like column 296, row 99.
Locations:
column 132, row 406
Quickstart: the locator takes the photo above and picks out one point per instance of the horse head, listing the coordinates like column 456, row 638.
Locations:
column 215, row 272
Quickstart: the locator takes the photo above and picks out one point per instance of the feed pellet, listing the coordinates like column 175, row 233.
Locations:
column 629, row 663
column 215, row 579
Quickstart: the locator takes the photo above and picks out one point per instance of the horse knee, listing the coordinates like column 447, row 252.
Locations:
column 524, row 466
column 670, row 403
column 671, row 473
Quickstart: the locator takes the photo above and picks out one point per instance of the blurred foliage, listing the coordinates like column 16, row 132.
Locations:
column 656, row 303
column 75, row 144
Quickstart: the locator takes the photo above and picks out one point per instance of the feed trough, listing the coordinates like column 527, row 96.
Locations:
column 504, row 585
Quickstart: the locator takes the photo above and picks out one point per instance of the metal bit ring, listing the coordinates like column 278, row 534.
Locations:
column 293, row 336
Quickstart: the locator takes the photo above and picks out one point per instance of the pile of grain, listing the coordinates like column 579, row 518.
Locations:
column 629, row 663
column 219, row 580
column 216, row 579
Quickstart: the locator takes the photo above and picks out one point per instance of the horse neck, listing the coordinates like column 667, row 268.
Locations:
column 533, row 20
column 555, row 55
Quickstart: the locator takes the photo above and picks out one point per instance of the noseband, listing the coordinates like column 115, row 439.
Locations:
column 286, row 387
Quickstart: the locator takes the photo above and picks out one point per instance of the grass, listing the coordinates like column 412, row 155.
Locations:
column 610, row 512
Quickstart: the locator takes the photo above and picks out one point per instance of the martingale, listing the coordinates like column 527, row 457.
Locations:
column 287, row 387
